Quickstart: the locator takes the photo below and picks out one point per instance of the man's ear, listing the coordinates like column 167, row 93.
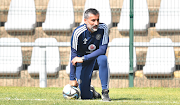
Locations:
column 85, row 20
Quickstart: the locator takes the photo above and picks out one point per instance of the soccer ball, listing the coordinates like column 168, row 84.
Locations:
column 71, row 92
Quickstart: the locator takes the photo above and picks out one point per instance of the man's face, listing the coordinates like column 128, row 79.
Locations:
column 92, row 22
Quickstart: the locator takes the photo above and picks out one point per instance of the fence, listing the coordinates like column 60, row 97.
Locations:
column 156, row 41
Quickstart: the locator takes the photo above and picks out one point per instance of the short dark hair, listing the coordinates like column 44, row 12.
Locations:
column 90, row 10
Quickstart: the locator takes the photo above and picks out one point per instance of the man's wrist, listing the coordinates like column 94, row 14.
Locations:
column 82, row 58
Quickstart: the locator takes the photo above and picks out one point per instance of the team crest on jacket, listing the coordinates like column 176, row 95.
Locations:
column 98, row 36
column 92, row 47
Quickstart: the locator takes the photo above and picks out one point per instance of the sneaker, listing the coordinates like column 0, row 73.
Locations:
column 96, row 95
column 105, row 95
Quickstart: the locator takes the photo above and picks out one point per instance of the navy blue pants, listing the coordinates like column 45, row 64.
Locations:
column 84, row 72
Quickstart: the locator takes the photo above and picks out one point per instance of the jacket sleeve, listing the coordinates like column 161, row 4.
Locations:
column 101, row 51
column 72, row 67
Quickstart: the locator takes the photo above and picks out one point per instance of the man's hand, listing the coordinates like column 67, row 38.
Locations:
column 73, row 83
column 76, row 60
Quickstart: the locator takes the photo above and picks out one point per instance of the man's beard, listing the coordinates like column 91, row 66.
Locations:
column 92, row 28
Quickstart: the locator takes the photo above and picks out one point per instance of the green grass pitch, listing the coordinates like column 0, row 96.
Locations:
column 119, row 96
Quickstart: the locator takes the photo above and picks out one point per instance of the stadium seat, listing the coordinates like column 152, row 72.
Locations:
column 68, row 66
column 59, row 16
column 21, row 16
column 159, row 60
column 118, row 58
column 10, row 57
column 168, row 16
column 103, row 6
column 141, row 16
column 40, row 55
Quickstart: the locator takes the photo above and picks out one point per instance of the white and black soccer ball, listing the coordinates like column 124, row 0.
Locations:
column 71, row 92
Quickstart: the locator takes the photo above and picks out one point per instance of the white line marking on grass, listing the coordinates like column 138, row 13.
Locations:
column 174, row 102
column 8, row 98
column 149, row 101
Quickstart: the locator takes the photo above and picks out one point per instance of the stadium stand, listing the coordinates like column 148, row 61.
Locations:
column 160, row 61
column 42, row 56
column 168, row 17
column 10, row 57
column 104, row 9
column 141, row 16
column 21, row 16
column 116, row 11
column 59, row 16
column 118, row 58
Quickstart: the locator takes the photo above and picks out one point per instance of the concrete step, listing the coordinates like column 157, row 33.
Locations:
column 62, row 79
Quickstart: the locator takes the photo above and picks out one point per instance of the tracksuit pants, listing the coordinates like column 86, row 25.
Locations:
column 84, row 72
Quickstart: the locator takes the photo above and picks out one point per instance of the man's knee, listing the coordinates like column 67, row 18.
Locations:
column 102, row 59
